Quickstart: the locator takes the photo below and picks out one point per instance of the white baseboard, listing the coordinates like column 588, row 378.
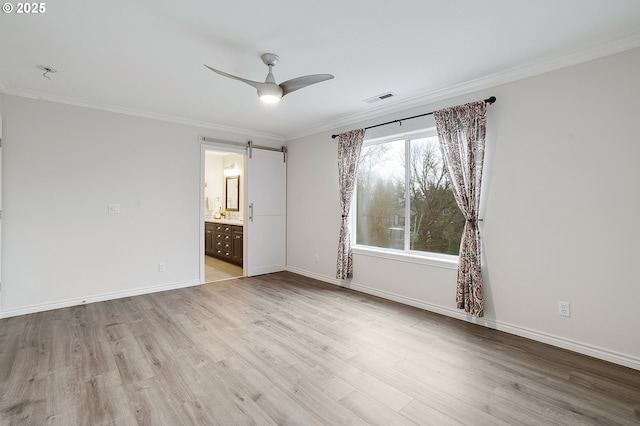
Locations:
column 538, row 336
column 31, row 309
column 325, row 278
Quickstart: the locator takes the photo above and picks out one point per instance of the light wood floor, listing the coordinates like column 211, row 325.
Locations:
column 218, row 270
column 288, row 350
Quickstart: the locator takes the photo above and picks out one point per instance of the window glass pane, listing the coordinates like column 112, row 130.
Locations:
column 380, row 203
column 436, row 221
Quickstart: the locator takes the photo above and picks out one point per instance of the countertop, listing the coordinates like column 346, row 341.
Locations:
column 225, row 221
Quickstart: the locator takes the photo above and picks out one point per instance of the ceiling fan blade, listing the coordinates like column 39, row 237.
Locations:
column 304, row 81
column 256, row 84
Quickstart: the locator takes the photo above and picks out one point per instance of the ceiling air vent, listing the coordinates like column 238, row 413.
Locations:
column 380, row 97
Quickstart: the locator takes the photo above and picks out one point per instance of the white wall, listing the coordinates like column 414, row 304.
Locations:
column 62, row 166
column 214, row 183
column 560, row 205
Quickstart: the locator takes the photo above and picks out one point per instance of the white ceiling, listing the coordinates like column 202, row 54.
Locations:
column 146, row 57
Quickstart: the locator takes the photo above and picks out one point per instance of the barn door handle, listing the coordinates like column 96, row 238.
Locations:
column 251, row 212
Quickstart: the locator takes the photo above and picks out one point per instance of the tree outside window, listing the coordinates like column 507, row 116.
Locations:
column 391, row 172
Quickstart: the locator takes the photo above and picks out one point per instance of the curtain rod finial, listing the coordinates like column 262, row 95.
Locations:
column 490, row 100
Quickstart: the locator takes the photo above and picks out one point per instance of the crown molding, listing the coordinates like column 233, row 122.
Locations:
column 486, row 82
column 136, row 113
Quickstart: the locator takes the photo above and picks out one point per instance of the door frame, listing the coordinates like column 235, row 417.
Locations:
column 232, row 148
column 0, row 216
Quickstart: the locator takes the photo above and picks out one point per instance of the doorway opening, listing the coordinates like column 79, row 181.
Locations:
column 223, row 211
column 254, row 203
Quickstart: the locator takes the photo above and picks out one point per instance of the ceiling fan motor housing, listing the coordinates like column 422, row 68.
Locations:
column 270, row 59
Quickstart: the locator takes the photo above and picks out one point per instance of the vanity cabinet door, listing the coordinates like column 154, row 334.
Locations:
column 237, row 243
column 209, row 239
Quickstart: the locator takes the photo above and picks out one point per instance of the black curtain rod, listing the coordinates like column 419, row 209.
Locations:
column 490, row 100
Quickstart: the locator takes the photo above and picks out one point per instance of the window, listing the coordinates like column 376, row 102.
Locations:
column 393, row 171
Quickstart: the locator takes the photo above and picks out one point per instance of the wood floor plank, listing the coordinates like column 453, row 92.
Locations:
column 130, row 361
column 9, row 346
column 101, row 401
column 91, row 350
column 423, row 414
column 439, row 395
column 26, row 386
column 282, row 349
column 152, row 404
column 61, row 406
column 372, row 411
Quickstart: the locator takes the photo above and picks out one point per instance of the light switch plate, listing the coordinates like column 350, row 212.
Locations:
column 114, row 208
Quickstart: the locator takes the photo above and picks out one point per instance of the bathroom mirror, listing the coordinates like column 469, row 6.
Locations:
column 233, row 193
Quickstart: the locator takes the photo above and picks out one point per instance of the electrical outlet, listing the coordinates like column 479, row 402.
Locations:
column 317, row 258
column 160, row 267
column 564, row 309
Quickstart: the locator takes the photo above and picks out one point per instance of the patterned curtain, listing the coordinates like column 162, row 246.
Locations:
column 461, row 132
column 349, row 147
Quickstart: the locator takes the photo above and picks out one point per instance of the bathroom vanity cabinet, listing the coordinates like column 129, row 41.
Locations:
column 224, row 241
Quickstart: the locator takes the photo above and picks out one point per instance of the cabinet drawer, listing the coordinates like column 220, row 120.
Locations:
column 227, row 242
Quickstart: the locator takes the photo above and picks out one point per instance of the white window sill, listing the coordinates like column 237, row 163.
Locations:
column 430, row 259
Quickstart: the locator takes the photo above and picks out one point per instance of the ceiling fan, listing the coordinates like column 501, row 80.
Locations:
column 271, row 92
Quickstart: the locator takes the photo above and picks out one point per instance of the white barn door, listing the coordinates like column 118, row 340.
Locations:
column 266, row 221
column 0, row 212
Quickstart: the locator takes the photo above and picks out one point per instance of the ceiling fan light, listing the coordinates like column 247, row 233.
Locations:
column 269, row 99
column 270, row 94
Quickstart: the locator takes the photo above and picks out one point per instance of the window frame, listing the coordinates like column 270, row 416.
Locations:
column 405, row 254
